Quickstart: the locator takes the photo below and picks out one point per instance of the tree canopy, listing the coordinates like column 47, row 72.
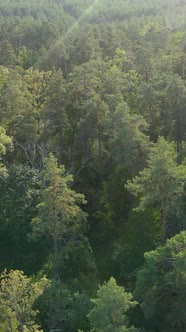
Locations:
column 92, row 164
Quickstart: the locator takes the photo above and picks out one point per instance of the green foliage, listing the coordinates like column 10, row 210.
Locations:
column 162, row 182
column 4, row 141
column 95, row 83
column 18, row 198
column 17, row 296
column 110, row 307
column 129, row 144
column 55, row 114
column 130, row 247
column 161, row 285
column 59, row 215
column 16, row 108
column 63, row 309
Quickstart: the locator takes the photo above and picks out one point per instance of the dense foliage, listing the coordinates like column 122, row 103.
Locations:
column 93, row 165
column 161, row 285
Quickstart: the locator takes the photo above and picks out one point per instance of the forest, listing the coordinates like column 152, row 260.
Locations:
column 93, row 166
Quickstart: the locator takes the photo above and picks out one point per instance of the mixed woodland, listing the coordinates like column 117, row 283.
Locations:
column 93, row 165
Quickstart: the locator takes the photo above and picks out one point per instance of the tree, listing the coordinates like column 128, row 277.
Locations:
column 55, row 117
column 149, row 105
column 59, row 214
column 130, row 247
column 110, row 307
column 18, row 198
column 174, row 112
column 92, row 131
column 129, row 144
column 63, row 310
column 5, row 141
column 7, row 55
column 18, row 114
column 161, row 183
column 17, row 296
column 161, row 285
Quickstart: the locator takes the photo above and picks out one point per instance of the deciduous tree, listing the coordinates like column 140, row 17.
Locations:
column 17, row 296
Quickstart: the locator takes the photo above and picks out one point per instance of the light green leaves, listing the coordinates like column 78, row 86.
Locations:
column 162, row 182
column 17, row 296
column 110, row 307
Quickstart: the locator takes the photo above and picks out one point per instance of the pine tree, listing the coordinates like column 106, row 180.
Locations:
column 59, row 214
column 161, row 183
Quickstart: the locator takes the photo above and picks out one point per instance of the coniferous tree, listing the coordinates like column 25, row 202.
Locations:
column 161, row 286
column 60, row 217
column 161, row 183
column 110, row 307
